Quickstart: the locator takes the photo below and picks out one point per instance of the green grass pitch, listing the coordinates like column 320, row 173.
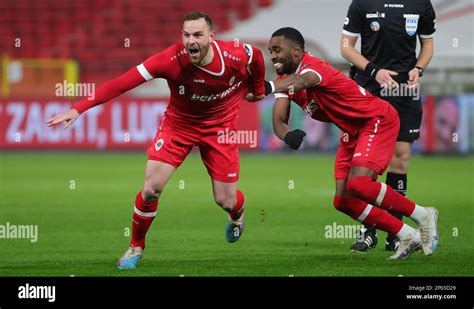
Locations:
column 82, row 205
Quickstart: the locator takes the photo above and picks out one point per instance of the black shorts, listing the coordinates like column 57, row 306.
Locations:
column 409, row 109
column 410, row 112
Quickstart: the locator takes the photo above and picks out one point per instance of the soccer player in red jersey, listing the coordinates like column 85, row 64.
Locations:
column 208, row 79
column 370, row 127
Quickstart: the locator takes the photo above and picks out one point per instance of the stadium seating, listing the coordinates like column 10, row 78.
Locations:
column 96, row 32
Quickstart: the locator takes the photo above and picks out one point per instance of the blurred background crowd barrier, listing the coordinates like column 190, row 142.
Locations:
column 53, row 52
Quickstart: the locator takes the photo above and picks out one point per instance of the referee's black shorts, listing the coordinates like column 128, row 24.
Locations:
column 410, row 112
column 409, row 109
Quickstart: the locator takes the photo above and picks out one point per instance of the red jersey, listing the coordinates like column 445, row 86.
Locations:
column 337, row 98
column 200, row 95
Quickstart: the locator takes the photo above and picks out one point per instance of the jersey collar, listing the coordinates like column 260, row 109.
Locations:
column 306, row 55
column 218, row 50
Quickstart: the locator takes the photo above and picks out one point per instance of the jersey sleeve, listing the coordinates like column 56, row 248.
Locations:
column 317, row 68
column 354, row 22
column 110, row 90
column 427, row 22
column 160, row 65
column 256, row 68
column 280, row 95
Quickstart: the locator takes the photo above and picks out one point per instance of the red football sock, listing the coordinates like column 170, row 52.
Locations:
column 143, row 216
column 367, row 214
column 380, row 194
column 238, row 208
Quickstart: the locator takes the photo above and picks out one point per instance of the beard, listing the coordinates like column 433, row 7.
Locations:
column 286, row 68
column 197, row 53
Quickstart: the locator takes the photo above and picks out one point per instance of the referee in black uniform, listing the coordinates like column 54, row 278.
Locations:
column 388, row 67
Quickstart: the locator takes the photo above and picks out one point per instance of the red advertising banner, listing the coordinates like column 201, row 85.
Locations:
column 118, row 125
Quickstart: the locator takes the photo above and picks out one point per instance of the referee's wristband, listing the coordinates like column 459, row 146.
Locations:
column 371, row 70
column 269, row 87
column 421, row 71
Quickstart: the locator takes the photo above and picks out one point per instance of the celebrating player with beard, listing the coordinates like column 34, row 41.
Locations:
column 208, row 79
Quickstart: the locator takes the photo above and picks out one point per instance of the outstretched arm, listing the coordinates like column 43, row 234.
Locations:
column 280, row 117
column 106, row 92
column 68, row 116
column 293, row 82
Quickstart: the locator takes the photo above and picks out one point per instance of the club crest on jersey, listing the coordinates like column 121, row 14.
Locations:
column 411, row 23
column 159, row 143
column 375, row 26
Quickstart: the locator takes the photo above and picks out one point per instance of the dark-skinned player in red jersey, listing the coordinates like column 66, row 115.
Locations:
column 208, row 79
column 369, row 132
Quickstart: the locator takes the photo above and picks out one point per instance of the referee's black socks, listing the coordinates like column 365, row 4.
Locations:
column 398, row 182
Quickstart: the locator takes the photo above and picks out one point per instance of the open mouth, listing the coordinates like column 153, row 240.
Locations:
column 278, row 66
column 194, row 51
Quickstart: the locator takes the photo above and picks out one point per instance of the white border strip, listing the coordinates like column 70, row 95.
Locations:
column 222, row 62
column 365, row 213
column 383, row 190
column 280, row 95
column 426, row 36
column 356, row 35
column 144, row 72
column 311, row 70
column 144, row 214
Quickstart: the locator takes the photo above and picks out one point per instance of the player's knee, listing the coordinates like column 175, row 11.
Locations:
column 144, row 205
column 356, row 186
column 342, row 205
column 151, row 193
column 225, row 201
column 339, row 204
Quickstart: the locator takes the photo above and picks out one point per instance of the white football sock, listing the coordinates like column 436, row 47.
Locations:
column 419, row 214
column 406, row 232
